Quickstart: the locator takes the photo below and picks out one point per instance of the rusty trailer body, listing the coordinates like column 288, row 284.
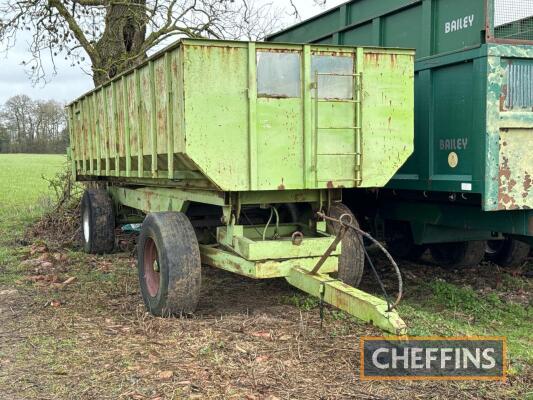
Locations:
column 470, row 176
column 247, row 141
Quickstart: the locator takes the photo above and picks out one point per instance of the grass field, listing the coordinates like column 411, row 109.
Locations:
column 262, row 340
column 24, row 192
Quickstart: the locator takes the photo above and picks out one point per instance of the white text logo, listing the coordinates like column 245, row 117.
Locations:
column 459, row 24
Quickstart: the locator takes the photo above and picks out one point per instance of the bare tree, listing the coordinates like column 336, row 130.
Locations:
column 50, row 120
column 18, row 115
column 117, row 34
column 294, row 10
column 33, row 126
column 4, row 139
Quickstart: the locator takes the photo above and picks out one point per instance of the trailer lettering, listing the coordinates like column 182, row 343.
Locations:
column 453, row 144
column 459, row 24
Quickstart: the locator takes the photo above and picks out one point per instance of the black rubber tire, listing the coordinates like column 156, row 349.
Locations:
column 507, row 253
column 97, row 222
column 352, row 258
column 459, row 254
column 406, row 251
column 178, row 258
column 400, row 243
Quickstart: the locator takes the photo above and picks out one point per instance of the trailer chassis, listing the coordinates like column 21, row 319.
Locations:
column 294, row 251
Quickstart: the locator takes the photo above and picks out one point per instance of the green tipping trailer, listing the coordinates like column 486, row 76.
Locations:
column 470, row 177
column 226, row 151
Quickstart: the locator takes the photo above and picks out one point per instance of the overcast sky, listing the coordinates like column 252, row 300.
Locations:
column 71, row 82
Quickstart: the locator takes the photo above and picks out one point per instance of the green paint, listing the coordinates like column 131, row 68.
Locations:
column 456, row 222
column 252, row 115
column 213, row 140
column 160, row 199
column 191, row 119
column 246, row 243
column 115, row 127
column 153, row 117
column 140, row 124
column 508, row 173
column 98, row 130
column 355, row 302
column 308, row 181
column 382, row 23
column 107, row 130
column 127, row 130
column 170, row 115
column 263, row 269
column 462, row 76
column 90, row 134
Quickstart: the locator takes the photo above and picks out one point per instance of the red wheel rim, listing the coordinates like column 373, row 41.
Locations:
column 151, row 267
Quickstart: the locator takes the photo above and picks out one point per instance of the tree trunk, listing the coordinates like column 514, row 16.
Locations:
column 120, row 47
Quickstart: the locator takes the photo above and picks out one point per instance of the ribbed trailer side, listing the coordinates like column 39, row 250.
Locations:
column 122, row 129
column 432, row 27
column 238, row 116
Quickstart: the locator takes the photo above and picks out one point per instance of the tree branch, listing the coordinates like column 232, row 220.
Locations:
column 75, row 28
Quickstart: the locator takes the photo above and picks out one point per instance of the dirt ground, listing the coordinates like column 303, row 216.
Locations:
column 73, row 326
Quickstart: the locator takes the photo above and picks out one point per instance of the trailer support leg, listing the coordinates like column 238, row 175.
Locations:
column 353, row 301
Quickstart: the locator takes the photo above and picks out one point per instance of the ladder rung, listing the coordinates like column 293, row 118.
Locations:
column 347, row 127
column 338, row 101
column 340, row 180
column 334, row 74
column 338, row 154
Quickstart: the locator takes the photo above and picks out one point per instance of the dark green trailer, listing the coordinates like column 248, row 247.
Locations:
column 467, row 188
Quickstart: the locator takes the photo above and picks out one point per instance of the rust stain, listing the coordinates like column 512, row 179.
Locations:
column 148, row 198
column 282, row 186
column 340, row 301
column 393, row 59
column 527, row 185
column 236, row 266
column 505, row 171
column 512, row 184
column 330, row 185
column 372, row 57
column 503, row 97
column 505, row 201
column 527, row 182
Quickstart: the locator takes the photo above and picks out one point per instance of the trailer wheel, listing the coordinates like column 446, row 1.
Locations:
column 507, row 253
column 352, row 258
column 169, row 266
column 405, row 250
column 458, row 255
column 97, row 222
column 400, row 243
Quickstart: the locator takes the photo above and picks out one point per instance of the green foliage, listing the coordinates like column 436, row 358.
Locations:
column 440, row 308
column 302, row 301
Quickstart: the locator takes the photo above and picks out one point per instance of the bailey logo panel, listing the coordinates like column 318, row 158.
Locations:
column 458, row 24
column 453, row 145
